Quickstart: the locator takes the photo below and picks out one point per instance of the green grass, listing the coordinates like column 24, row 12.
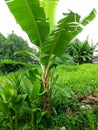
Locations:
column 81, row 79
column 72, row 83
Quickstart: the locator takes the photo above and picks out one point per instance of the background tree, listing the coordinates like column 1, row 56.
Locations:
column 8, row 47
column 2, row 38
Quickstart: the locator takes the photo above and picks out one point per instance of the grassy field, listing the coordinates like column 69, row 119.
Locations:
column 75, row 96
column 82, row 78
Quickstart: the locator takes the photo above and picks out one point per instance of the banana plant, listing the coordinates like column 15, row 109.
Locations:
column 12, row 101
column 20, row 94
column 35, row 93
column 51, row 39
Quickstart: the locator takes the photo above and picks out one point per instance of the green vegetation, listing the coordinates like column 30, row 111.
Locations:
column 51, row 43
column 45, row 95
column 20, row 102
column 74, row 100
column 73, row 96
column 8, row 47
column 82, row 52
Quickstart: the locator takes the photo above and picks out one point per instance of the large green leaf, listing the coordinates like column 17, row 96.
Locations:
column 31, row 17
column 65, row 30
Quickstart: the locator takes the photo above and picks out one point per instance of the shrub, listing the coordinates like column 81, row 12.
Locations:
column 65, row 59
column 8, row 47
column 82, row 52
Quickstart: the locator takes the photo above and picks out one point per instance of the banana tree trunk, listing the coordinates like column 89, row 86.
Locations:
column 46, row 88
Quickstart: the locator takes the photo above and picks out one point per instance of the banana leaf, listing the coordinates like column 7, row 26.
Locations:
column 31, row 17
column 65, row 31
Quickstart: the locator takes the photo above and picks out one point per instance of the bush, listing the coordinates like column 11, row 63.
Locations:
column 65, row 59
column 81, row 52
column 8, row 47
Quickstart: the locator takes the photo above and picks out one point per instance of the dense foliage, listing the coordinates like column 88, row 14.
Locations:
column 82, row 52
column 65, row 59
column 8, row 47
column 35, row 90
column 72, row 106
column 50, row 39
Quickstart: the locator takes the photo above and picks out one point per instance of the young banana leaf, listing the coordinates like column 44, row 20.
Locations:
column 50, row 11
